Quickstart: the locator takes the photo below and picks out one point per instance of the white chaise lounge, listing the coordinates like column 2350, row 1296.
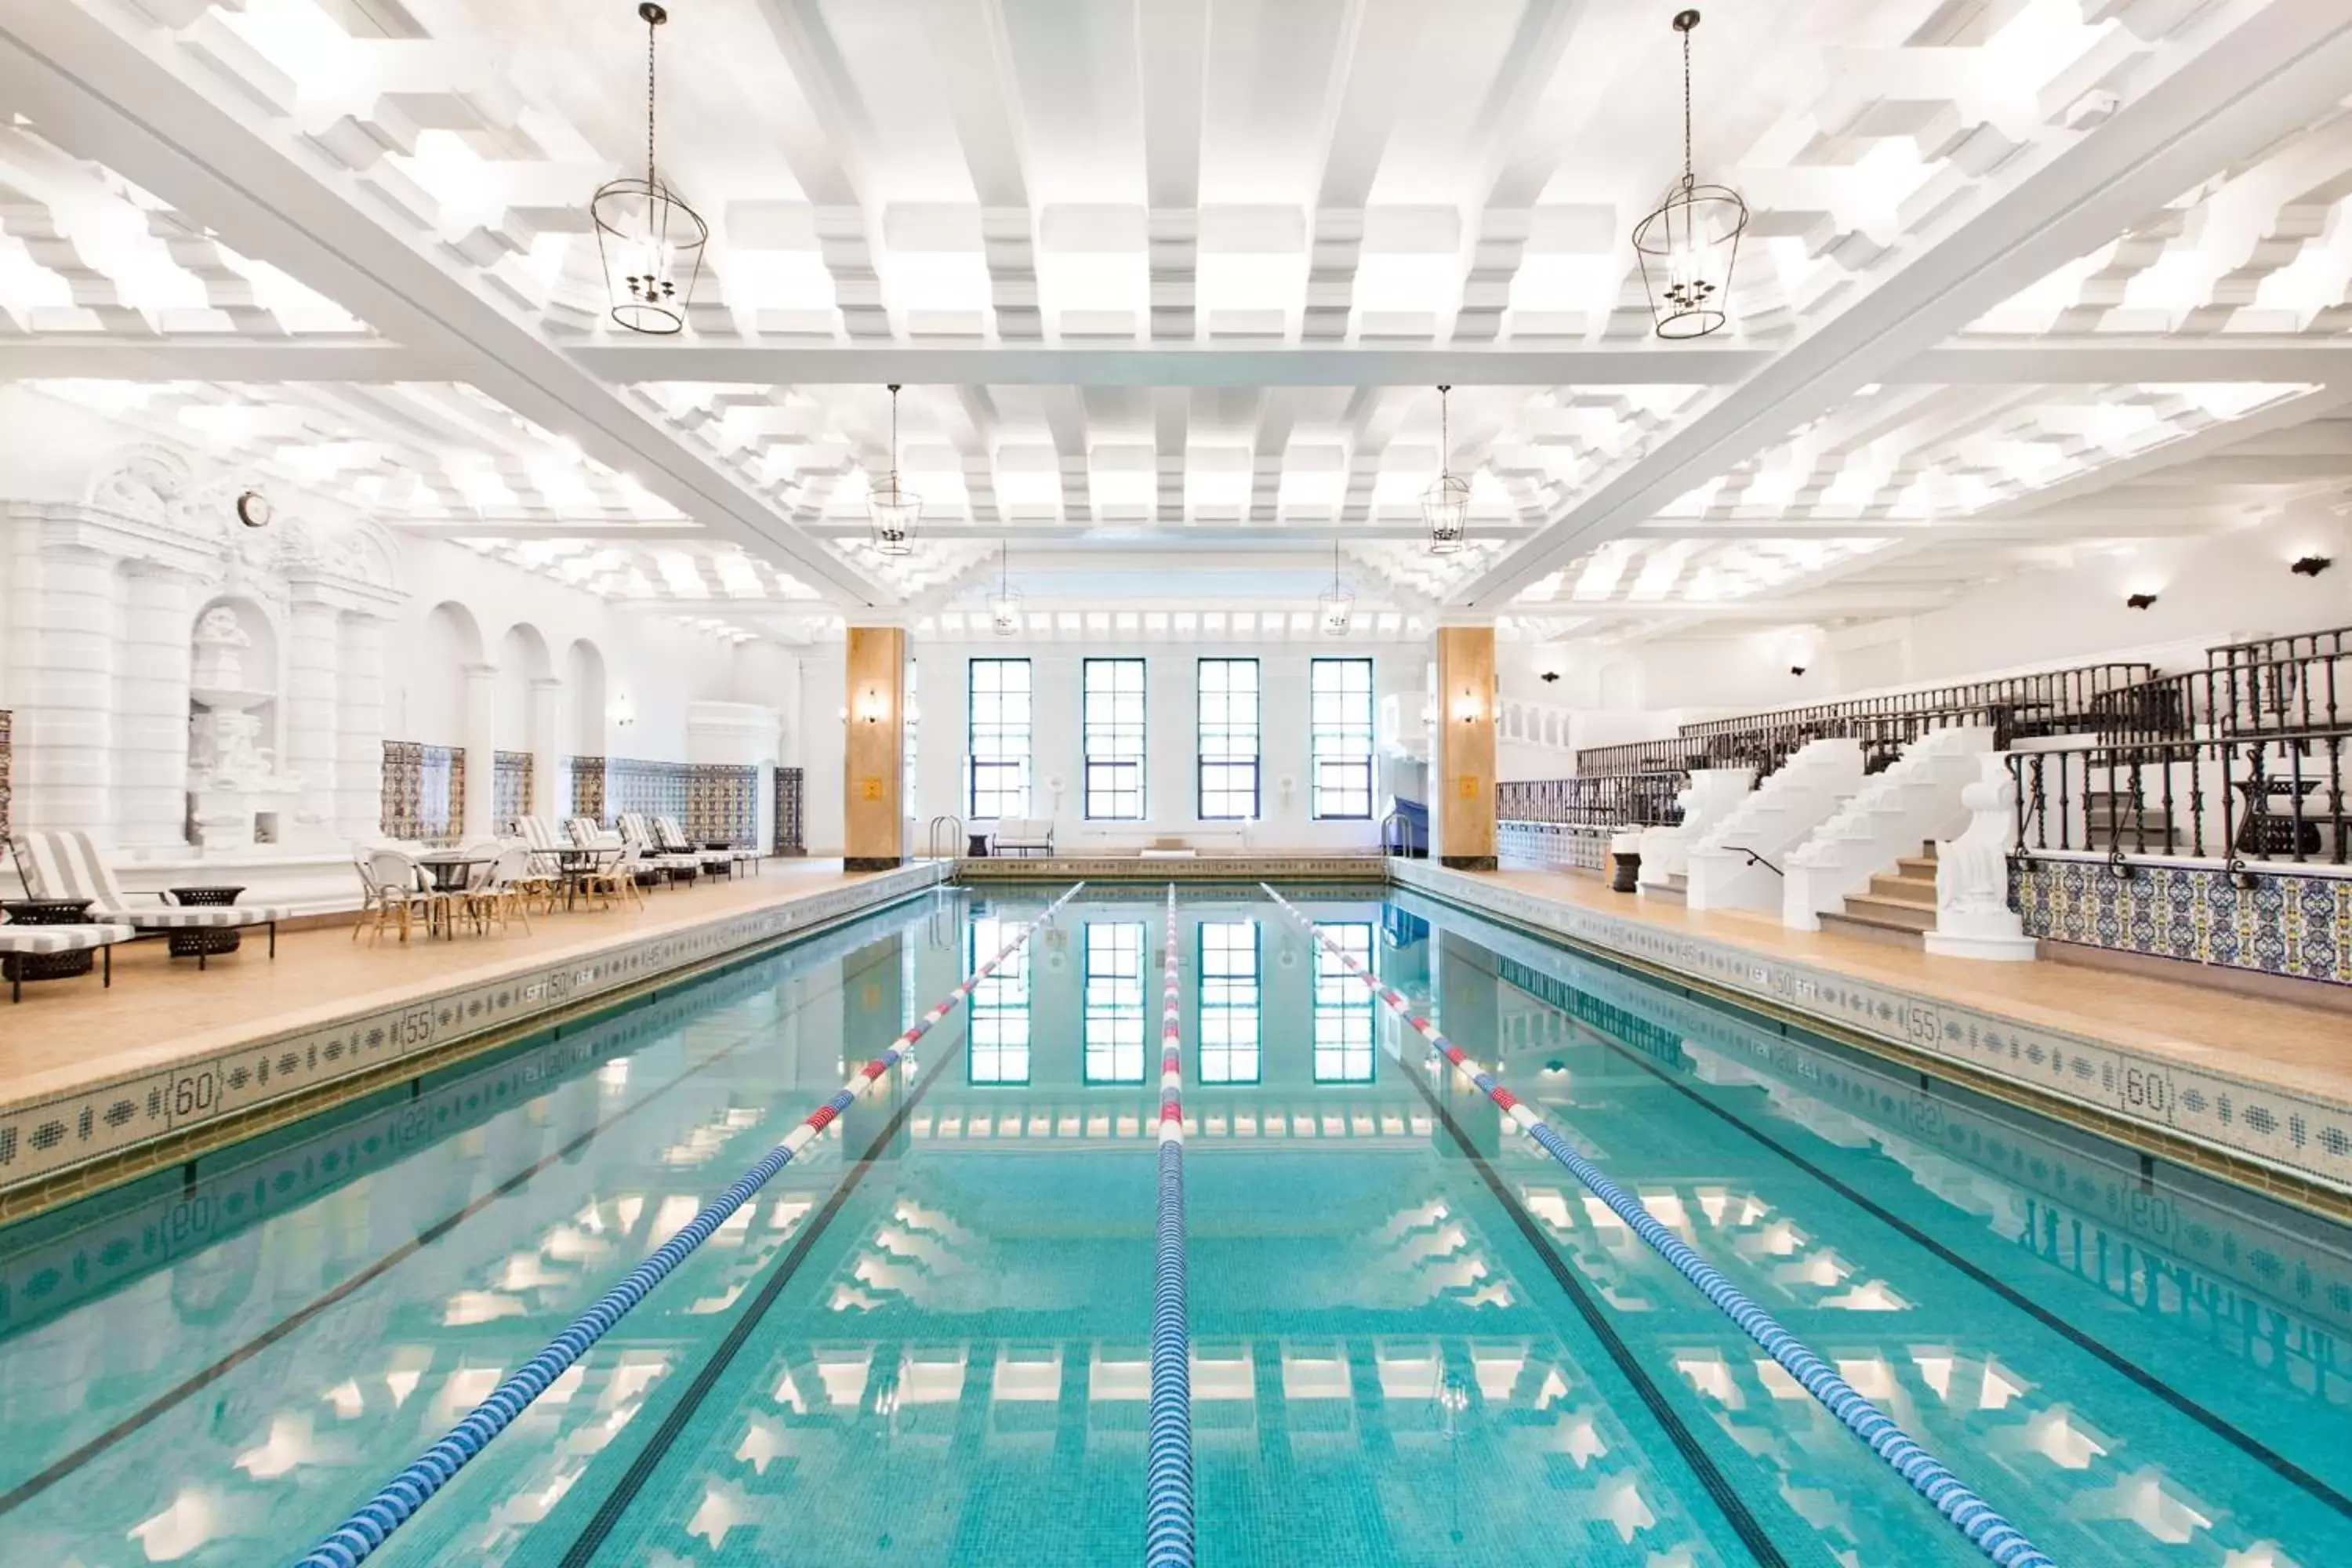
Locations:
column 1022, row 836
column 44, row 941
column 67, row 866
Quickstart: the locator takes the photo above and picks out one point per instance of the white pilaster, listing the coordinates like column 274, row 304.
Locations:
column 313, row 688
column 550, row 779
column 151, row 697
column 63, row 634
column 481, row 751
column 359, row 728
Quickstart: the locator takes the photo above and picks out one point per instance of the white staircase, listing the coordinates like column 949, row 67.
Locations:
column 1889, row 817
column 1711, row 795
column 1733, row 866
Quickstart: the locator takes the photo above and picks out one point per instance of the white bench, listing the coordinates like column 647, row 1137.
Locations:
column 1022, row 836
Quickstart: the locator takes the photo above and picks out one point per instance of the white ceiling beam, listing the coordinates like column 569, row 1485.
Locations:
column 1170, row 365
column 2284, row 67
column 1171, row 63
column 104, row 94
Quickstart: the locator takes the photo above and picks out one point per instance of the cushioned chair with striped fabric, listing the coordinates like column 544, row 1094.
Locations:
column 68, row 865
column 41, row 942
column 671, row 839
column 678, row 866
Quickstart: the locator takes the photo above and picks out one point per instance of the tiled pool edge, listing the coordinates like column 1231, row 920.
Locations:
column 2272, row 1138
column 56, row 1149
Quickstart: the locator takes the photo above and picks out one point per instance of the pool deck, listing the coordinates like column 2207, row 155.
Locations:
column 2251, row 1080
column 98, row 1085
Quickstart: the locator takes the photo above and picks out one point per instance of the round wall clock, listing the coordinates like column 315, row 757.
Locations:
column 254, row 510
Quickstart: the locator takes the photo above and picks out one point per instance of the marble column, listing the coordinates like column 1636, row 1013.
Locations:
column 314, row 685
column 550, row 780
column 359, row 730
column 481, row 752
column 150, row 709
column 1462, row 782
column 874, row 752
column 63, row 634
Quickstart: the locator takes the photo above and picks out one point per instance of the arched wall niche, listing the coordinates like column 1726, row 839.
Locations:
column 523, row 664
column 583, row 681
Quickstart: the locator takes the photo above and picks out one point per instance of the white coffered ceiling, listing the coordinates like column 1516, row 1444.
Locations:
column 1171, row 282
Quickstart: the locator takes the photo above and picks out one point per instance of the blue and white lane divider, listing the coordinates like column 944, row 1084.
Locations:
column 366, row 1530
column 1991, row 1534
column 1168, row 1517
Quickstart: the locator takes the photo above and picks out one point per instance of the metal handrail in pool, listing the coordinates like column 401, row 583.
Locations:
column 1168, row 1510
column 360, row 1535
column 1986, row 1530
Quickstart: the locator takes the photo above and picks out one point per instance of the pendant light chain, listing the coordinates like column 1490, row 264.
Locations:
column 1690, row 176
column 648, row 241
column 652, row 33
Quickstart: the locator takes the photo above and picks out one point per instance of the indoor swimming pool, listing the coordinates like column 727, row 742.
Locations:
column 1414, row 1337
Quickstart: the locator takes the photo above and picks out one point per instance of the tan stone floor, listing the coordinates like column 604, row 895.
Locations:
column 69, row 1033
column 2306, row 1048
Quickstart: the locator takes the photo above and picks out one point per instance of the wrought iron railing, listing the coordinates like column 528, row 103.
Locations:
column 2234, row 797
column 1622, row 800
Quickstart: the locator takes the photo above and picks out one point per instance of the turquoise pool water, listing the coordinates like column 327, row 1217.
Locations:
column 1415, row 1339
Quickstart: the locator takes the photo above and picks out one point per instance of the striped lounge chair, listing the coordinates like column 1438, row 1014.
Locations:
column 678, row 866
column 671, row 839
column 41, row 942
column 68, row 865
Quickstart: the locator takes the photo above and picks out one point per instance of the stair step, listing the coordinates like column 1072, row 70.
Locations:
column 1873, row 930
column 1910, row 888
column 1920, row 866
column 1892, row 912
column 1675, row 889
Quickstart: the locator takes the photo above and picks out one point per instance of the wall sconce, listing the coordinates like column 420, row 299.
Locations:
column 623, row 713
column 1467, row 710
column 1796, row 670
column 1549, row 676
column 2139, row 601
column 2311, row 565
column 871, row 708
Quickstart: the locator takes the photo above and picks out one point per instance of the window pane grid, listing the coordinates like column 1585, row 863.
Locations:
column 1343, row 1007
column 1229, row 1001
column 1340, row 725
column 998, row 738
column 1113, row 726
column 999, row 1018
column 1113, row 1019
column 1228, row 743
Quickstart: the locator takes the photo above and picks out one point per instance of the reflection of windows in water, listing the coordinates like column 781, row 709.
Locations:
column 1113, row 1020
column 999, row 1020
column 1229, row 999
column 1343, row 1009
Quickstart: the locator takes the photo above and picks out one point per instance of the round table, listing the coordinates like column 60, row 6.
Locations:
column 978, row 847
column 205, row 942
column 22, row 966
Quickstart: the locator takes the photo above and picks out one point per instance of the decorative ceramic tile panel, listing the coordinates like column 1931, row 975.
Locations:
column 2296, row 924
column 791, row 838
column 723, row 805
column 7, row 751
column 588, row 790
column 423, row 790
column 649, row 789
column 1551, row 847
column 2305, row 1134
column 41, row 1139
column 511, row 797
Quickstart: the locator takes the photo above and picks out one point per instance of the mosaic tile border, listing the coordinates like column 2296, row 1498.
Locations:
column 44, row 1139
column 1693, row 1036
column 1552, row 846
column 8, row 751
column 2276, row 1129
column 2296, row 925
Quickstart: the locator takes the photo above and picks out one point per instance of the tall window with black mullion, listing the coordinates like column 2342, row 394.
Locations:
column 1341, row 690
column 1114, row 731
column 1228, row 740
column 997, row 739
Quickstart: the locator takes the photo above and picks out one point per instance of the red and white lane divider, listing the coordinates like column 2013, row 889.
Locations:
column 1168, row 1483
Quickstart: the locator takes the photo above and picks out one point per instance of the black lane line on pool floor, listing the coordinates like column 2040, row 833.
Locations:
column 1744, row 1524
column 648, row 1458
column 163, row 1404
column 2211, row 1420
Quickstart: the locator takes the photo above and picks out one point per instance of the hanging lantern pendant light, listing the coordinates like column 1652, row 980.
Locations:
column 1005, row 606
column 891, row 508
column 1688, row 247
column 1445, row 505
column 1339, row 603
column 649, row 241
